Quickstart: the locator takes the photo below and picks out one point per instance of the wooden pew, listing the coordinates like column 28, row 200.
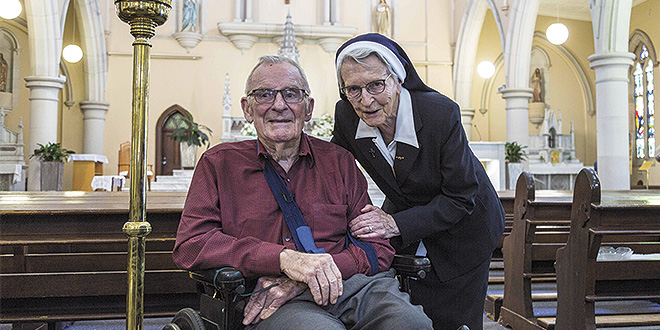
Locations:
column 507, row 198
column 582, row 280
column 63, row 257
column 540, row 227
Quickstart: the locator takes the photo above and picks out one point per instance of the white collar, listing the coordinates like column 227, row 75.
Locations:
column 405, row 123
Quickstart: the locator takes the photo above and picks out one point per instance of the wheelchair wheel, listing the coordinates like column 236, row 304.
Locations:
column 186, row 319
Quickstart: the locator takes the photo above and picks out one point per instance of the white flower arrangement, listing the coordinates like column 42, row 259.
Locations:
column 248, row 129
column 324, row 126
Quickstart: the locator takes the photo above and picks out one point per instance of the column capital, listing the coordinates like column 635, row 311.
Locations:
column 611, row 59
column 94, row 105
column 45, row 81
column 517, row 93
column 467, row 112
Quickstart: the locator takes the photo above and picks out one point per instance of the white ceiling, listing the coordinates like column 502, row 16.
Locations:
column 571, row 9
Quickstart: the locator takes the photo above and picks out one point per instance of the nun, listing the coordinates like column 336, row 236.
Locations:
column 439, row 201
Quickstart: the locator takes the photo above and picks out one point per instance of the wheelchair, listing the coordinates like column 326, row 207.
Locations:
column 222, row 295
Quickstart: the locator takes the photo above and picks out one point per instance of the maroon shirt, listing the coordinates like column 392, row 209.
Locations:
column 232, row 219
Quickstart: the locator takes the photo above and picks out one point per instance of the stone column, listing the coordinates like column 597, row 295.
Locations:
column 466, row 117
column 44, row 99
column 612, row 118
column 93, row 123
column 517, row 114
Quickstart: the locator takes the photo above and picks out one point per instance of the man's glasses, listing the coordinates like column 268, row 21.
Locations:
column 374, row 88
column 290, row 95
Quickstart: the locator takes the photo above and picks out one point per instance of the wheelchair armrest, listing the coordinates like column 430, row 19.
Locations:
column 412, row 266
column 225, row 278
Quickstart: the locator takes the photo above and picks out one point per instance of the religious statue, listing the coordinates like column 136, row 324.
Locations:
column 189, row 15
column 383, row 18
column 4, row 70
column 537, row 86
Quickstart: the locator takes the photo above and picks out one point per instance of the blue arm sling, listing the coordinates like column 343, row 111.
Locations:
column 301, row 233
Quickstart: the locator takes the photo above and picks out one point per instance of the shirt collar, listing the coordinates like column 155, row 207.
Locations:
column 305, row 152
column 405, row 123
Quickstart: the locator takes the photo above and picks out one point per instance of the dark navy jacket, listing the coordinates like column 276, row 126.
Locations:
column 441, row 193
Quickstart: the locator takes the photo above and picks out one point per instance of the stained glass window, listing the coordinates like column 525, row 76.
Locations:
column 644, row 104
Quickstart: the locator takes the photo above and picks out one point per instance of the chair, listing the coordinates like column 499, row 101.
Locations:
column 124, row 163
column 222, row 295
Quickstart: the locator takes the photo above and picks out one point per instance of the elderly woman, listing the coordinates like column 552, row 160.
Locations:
column 439, row 200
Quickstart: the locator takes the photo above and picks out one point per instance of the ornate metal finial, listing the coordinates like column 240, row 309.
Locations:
column 288, row 48
column 143, row 16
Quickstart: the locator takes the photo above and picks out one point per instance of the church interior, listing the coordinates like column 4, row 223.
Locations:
column 584, row 104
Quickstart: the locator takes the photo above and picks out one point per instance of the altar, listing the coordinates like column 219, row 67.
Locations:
column 12, row 162
column 491, row 156
column 551, row 154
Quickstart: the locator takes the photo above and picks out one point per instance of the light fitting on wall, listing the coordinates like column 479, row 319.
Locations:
column 72, row 53
column 557, row 33
column 486, row 69
column 10, row 9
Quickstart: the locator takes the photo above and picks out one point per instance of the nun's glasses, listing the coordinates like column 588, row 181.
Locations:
column 374, row 88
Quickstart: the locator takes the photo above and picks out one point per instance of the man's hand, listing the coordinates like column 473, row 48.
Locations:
column 319, row 271
column 373, row 223
column 263, row 304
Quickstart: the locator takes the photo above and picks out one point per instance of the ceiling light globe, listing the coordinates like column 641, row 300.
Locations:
column 72, row 53
column 10, row 9
column 486, row 69
column 557, row 33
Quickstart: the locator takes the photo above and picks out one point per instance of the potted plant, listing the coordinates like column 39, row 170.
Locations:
column 190, row 135
column 513, row 154
column 51, row 165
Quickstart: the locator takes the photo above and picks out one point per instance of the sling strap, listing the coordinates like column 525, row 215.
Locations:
column 301, row 233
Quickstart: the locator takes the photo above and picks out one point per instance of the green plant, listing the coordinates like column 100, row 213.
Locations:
column 191, row 133
column 52, row 152
column 514, row 152
column 248, row 129
column 324, row 126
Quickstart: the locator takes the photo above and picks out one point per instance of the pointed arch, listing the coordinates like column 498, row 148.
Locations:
column 13, row 52
column 639, row 38
column 162, row 135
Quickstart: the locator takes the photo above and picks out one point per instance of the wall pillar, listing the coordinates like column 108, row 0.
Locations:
column 466, row 118
column 44, row 101
column 517, row 114
column 93, row 123
column 612, row 118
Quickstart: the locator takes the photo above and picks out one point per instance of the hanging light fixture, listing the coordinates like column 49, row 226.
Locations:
column 486, row 69
column 72, row 53
column 557, row 33
column 10, row 9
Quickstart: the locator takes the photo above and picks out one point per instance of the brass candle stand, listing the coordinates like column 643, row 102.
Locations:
column 143, row 16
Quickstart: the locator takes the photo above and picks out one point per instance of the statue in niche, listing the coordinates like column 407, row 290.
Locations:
column 189, row 15
column 4, row 70
column 383, row 18
column 537, row 86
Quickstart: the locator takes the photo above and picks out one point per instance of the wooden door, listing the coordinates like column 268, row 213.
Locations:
column 170, row 154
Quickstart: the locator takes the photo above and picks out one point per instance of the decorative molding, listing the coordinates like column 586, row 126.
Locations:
column 244, row 34
column 187, row 39
column 162, row 56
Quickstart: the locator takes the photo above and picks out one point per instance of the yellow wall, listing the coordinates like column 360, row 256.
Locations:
column 564, row 87
column 198, row 85
column 422, row 27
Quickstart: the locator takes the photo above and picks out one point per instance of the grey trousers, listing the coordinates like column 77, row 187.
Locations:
column 368, row 302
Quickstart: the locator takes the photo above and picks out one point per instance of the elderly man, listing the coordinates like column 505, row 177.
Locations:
column 232, row 218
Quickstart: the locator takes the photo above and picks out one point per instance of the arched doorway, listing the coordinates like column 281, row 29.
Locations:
column 168, row 154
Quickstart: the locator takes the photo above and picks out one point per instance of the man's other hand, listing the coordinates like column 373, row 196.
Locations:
column 263, row 304
column 319, row 271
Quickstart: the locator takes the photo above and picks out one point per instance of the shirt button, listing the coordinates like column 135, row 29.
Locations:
column 288, row 180
column 287, row 239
